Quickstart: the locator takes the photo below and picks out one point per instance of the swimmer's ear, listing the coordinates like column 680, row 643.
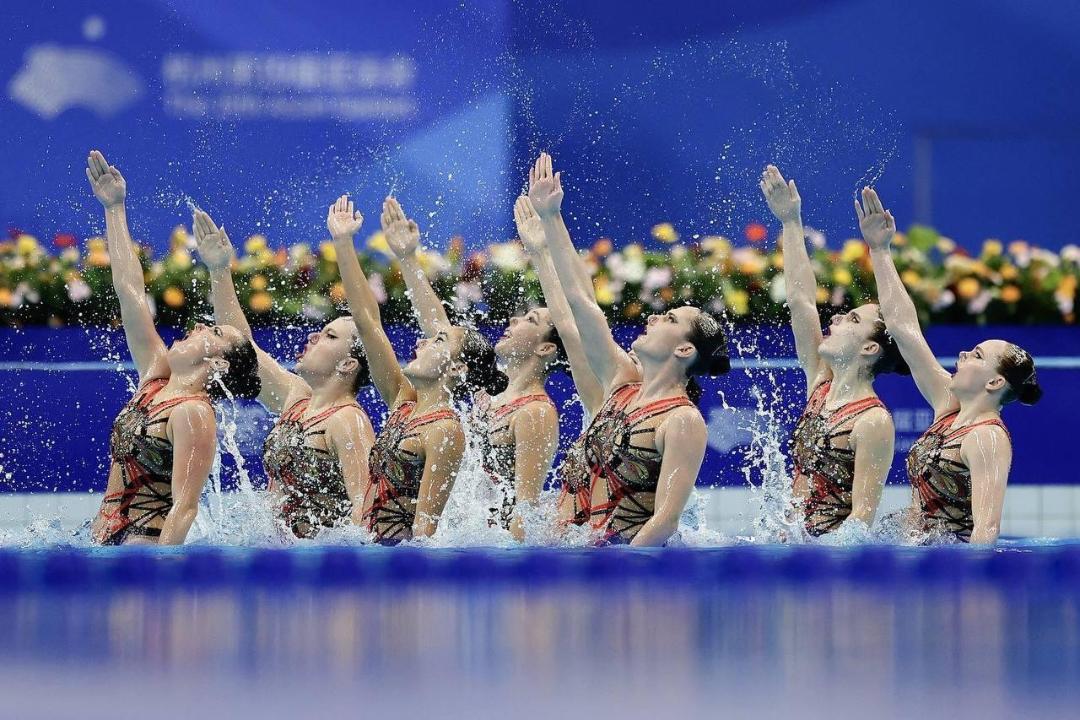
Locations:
column 545, row 349
column 995, row 384
column 871, row 348
column 219, row 365
column 347, row 366
column 685, row 350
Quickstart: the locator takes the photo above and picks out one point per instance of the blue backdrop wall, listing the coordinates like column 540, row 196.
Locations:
column 962, row 112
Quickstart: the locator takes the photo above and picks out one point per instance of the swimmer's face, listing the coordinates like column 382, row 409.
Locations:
column 202, row 343
column 977, row 369
column 327, row 348
column 666, row 332
column 436, row 356
column 848, row 334
column 526, row 335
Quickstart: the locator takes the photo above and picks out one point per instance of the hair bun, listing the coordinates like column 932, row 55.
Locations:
column 1030, row 393
column 719, row 362
column 495, row 382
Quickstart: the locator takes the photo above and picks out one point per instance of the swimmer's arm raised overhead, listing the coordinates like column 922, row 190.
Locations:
column 344, row 222
column 872, row 439
column 536, row 438
column 532, row 235
column 444, row 446
column 193, row 432
column 799, row 279
column 878, row 228
column 350, row 437
column 605, row 357
column 682, row 439
column 403, row 237
column 146, row 346
column 279, row 385
column 987, row 452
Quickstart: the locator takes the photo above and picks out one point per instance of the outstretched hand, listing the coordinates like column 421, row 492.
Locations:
column 213, row 243
column 402, row 234
column 105, row 180
column 528, row 224
column 545, row 188
column 877, row 223
column 782, row 197
column 343, row 220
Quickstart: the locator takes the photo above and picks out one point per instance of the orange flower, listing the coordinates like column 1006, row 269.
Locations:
column 633, row 310
column 667, row 294
column 5, row 297
column 260, row 302
column 173, row 296
column 756, row 232
column 602, row 247
column 968, row 288
column 337, row 293
column 1010, row 294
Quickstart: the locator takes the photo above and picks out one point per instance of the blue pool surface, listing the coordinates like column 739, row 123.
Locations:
column 740, row 631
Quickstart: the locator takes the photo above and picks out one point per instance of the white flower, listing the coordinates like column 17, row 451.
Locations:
column 378, row 287
column 778, row 289
column 945, row 299
column 979, row 302
column 1047, row 257
column 78, row 290
column 656, row 278
column 816, row 237
column 837, row 298
column 508, row 256
column 1070, row 253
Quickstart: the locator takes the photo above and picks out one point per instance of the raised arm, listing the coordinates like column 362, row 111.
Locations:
column 901, row 318
column 403, row 237
column 536, row 438
column 350, row 437
column 532, row 235
column 988, row 454
column 193, row 432
column 344, row 222
column 279, row 386
column 444, row 446
column 682, row 439
column 872, row 438
column 146, row 346
column 604, row 355
column 799, row 280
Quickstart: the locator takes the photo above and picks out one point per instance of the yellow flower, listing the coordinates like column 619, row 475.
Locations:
column 945, row 245
column 911, row 278
column 604, row 293
column 254, row 244
column 260, row 302
column 328, row 252
column 97, row 258
column 377, row 242
column 853, row 250
column 178, row 238
column 842, row 276
column 899, row 239
column 633, row 251
column 337, row 293
column 1009, row 272
column 992, row 248
column 26, row 245
column 180, row 257
column 1018, row 247
column 716, row 245
column 5, row 297
column 738, row 301
column 258, row 282
column 173, row 296
column 96, row 244
column 1010, row 294
column 968, row 288
column 778, row 260
column 665, row 233
column 822, row 295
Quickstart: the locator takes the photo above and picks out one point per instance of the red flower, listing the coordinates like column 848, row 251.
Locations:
column 756, row 232
column 14, row 232
column 64, row 240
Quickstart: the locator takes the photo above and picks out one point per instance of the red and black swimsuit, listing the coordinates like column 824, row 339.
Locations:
column 397, row 472
column 940, row 478
column 309, row 478
column 827, row 468
column 620, row 448
column 498, row 450
column 146, row 466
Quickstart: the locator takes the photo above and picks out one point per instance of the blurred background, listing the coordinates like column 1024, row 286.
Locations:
column 963, row 115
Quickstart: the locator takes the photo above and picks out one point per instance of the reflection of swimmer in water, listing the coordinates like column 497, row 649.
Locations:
column 960, row 466
column 416, row 455
column 842, row 444
column 164, row 441
column 316, row 455
column 645, row 446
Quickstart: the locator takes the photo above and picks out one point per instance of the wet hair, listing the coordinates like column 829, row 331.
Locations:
column 241, row 380
column 707, row 337
column 890, row 360
column 1018, row 368
column 561, row 361
column 481, row 367
column 363, row 372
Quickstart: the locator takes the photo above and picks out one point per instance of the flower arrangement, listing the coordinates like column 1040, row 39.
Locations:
column 70, row 283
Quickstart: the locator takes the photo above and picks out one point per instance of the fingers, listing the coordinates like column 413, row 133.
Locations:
column 890, row 220
column 793, row 190
column 859, row 211
column 558, row 181
column 518, row 214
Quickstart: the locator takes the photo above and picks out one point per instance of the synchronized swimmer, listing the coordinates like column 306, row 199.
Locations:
column 629, row 475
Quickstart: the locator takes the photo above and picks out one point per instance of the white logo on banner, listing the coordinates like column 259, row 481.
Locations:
column 54, row 79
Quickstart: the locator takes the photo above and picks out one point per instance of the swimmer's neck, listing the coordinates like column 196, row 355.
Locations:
column 977, row 409
column 525, row 379
column 185, row 384
column 661, row 380
column 849, row 383
column 331, row 393
column 432, row 395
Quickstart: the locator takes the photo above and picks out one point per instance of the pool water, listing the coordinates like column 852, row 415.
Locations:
column 731, row 632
